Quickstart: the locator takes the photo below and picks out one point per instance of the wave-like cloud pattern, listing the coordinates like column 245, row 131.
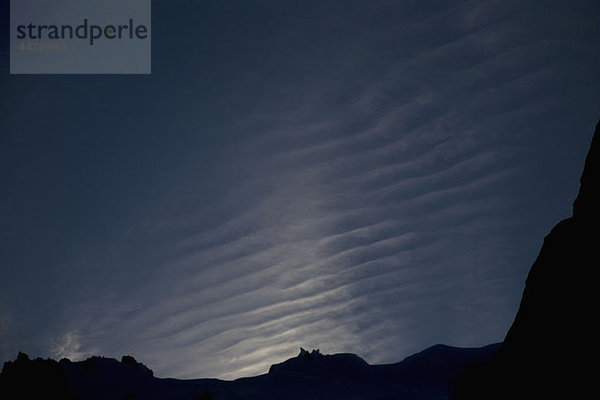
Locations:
column 364, row 210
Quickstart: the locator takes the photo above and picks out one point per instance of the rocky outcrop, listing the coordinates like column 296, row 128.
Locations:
column 39, row 378
column 129, row 360
column 323, row 365
column 93, row 378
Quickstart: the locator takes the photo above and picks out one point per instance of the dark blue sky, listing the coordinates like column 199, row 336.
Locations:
column 367, row 177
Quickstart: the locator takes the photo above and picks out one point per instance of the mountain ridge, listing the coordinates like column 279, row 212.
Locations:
column 424, row 375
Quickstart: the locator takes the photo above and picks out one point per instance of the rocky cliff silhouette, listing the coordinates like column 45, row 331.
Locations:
column 550, row 350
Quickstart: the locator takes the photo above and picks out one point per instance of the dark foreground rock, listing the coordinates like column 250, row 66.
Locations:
column 550, row 351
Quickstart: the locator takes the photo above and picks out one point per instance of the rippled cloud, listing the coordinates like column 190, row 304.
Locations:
column 335, row 177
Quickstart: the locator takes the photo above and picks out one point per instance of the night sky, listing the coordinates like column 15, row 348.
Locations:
column 371, row 177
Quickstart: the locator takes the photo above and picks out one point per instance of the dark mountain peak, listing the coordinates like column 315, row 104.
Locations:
column 587, row 203
column 129, row 360
column 444, row 354
column 439, row 364
column 22, row 357
column 546, row 351
column 315, row 362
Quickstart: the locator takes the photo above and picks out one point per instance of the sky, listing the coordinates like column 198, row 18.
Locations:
column 370, row 177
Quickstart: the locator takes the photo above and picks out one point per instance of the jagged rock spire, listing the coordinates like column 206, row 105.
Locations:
column 312, row 354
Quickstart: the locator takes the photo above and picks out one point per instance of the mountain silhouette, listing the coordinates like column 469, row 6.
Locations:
column 311, row 375
column 551, row 346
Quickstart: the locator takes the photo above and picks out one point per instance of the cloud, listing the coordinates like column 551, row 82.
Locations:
column 353, row 187
column 69, row 345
